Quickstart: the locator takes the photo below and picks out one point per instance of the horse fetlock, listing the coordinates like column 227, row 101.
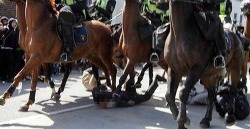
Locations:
column 205, row 123
column 185, row 122
column 229, row 119
column 24, row 108
column 2, row 101
column 57, row 96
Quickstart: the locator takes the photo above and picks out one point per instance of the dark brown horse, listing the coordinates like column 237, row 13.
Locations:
column 245, row 6
column 188, row 54
column 44, row 46
column 130, row 44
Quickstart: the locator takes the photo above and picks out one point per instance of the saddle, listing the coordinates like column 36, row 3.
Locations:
column 80, row 33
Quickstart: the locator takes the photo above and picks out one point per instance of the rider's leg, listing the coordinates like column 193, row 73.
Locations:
column 67, row 20
column 219, row 61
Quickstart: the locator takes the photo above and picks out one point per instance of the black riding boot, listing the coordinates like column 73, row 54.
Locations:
column 219, row 61
column 67, row 20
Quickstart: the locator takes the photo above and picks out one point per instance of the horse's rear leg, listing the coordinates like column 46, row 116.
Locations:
column 32, row 62
column 98, row 62
column 210, row 86
column 146, row 66
column 244, row 68
column 172, row 86
column 67, row 72
column 47, row 73
column 33, row 84
column 108, row 62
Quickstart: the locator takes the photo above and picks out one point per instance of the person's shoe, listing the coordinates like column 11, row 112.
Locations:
column 161, row 78
column 154, row 58
column 219, row 62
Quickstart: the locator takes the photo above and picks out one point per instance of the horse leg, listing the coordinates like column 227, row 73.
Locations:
column 140, row 77
column 98, row 62
column 33, row 84
column 193, row 76
column 67, row 72
column 172, row 86
column 210, row 86
column 47, row 73
column 244, row 68
column 229, row 118
column 108, row 62
column 150, row 73
column 31, row 63
column 128, row 69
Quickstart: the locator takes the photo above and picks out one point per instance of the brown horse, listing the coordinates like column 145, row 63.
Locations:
column 44, row 46
column 20, row 11
column 188, row 54
column 245, row 6
column 130, row 44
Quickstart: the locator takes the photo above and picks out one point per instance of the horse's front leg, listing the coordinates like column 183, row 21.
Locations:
column 193, row 76
column 230, row 107
column 210, row 86
column 33, row 84
column 128, row 69
column 18, row 78
column 172, row 86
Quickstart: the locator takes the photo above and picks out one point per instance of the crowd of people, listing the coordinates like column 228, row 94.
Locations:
column 11, row 55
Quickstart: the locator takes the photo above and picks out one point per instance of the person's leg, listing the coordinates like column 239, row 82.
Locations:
column 67, row 19
column 219, row 60
column 148, row 94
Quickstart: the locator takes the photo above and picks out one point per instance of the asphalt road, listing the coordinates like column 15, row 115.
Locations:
column 76, row 110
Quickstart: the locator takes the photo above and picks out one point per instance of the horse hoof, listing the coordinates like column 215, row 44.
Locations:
column 2, row 101
column 187, row 123
column 229, row 120
column 57, row 97
column 24, row 108
column 138, row 85
column 205, row 123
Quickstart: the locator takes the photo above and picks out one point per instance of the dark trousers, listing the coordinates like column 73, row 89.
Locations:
column 7, row 64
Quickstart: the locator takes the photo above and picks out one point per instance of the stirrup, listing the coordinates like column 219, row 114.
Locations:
column 64, row 57
column 221, row 63
column 154, row 58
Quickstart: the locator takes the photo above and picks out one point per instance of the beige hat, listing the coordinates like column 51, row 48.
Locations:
column 88, row 80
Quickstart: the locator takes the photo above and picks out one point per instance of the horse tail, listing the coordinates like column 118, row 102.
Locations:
column 50, row 4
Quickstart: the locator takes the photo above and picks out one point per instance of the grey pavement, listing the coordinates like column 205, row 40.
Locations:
column 76, row 110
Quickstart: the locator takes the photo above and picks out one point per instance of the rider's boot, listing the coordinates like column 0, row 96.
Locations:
column 219, row 61
column 67, row 20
